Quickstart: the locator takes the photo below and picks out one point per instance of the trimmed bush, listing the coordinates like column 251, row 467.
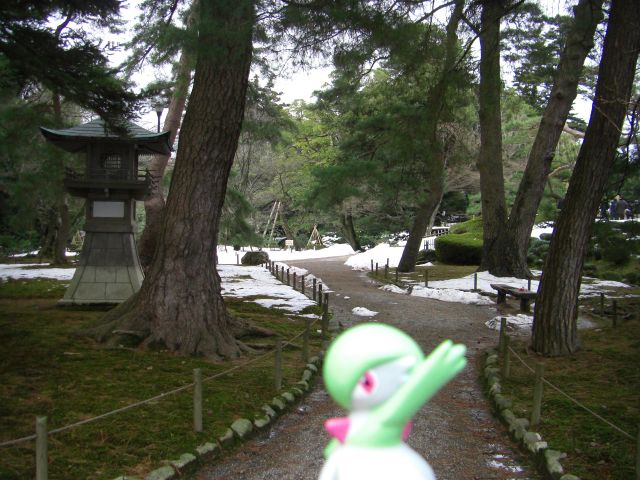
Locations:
column 425, row 256
column 461, row 249
column 255, row 258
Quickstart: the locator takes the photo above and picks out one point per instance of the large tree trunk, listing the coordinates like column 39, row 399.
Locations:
column 515, row 238
column 179, row 306
column 349, row 231
column 154, row 203
column 435, row 189
column 554, row 327
column 63, row 224
column 494, row 209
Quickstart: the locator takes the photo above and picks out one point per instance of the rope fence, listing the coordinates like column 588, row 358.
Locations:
column 505, row 351
column 41, row 421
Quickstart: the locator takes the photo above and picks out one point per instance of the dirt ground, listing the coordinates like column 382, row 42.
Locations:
column 455, row 432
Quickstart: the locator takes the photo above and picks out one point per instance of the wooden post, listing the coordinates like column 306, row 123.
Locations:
column 602, row 304
column 314, row 289
column 396, row 275
column 537, row 394
column 503, row 333
column 197, row 400
column 615, row 313
column 295, row 281
column 278, row 372
column 42, row 455
column 305, row 340
column 386, row 271
column 325, row 327
column 528, row 284
column 320, row 294
column 372, row 264
column 302, row 285
column 288, row 277
column 638, row 456
column 387, row 263
column 326, row 301
column 505, row 359
column 237, row 259
column 475, row 280
column 376, row 268
column 426, row 277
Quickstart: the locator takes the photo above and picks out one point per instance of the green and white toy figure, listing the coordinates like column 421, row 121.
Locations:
column 380, row 375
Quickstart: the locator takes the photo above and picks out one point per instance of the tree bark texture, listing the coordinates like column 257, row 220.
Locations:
column 62, row 222
column 179, row 306
column 349, row 231
column 494, row 210
column 555, row 316
column 154, row 203
column 435, row 187
column 515, row 238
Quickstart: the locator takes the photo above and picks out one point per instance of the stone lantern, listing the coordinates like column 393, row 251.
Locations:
column 108, row 271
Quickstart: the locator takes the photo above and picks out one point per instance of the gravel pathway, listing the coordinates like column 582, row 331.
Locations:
column 455, row 431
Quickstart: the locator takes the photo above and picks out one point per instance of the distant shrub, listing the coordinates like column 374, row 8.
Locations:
column 473, row 226
column 632, row 278
column 425, row 256
column 630, row 228
column 537, row 252
column 461, row 249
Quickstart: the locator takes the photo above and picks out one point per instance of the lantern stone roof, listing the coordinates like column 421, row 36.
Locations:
column 76, row 139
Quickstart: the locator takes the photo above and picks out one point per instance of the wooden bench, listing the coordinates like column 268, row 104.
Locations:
column 523, row 294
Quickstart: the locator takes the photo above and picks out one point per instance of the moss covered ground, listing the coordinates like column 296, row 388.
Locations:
column 47, row 368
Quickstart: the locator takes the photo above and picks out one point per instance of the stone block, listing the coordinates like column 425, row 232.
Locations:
column 533, row 442
column 552, row 459
column 226, row 439
column 122, row 275
column 312, row 367
column 296, row 392
column 502, row 402
column 306, row 375
column 315, row 360
column 278, row 404
column 90, row 292
column 262, row 422
column 118, row 291
column 106, row 274
column 304, row 386
column 162, row 473
column 207, row 450
column 568, row 476
column 491, row 360
column 88, row 274
column 185, row 462
column 271, row 413
column 289, row 397
column 242, row 427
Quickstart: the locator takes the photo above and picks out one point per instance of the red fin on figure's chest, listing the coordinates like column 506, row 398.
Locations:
column 338, row 427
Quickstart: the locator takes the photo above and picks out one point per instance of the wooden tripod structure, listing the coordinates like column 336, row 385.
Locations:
column 315, row 239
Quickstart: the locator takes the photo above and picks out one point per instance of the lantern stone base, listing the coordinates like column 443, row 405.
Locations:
column 108, row 272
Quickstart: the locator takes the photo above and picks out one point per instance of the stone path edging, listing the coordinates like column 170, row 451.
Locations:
column 238, row 431
column 546, row 459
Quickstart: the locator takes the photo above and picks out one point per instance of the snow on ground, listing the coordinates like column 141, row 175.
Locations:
column 379, row 254
column 227, row 255
column 257, row 282
column 34, row 270
column 363, row 312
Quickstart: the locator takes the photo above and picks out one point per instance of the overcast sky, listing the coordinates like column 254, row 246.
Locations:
column 298, row 85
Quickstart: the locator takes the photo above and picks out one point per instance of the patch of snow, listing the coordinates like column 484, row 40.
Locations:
column 227, row 255
column 393, row 289
column 513, row 322
column 451, row 295
column 28, row 270
column 363, row 312
column 379, row 254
